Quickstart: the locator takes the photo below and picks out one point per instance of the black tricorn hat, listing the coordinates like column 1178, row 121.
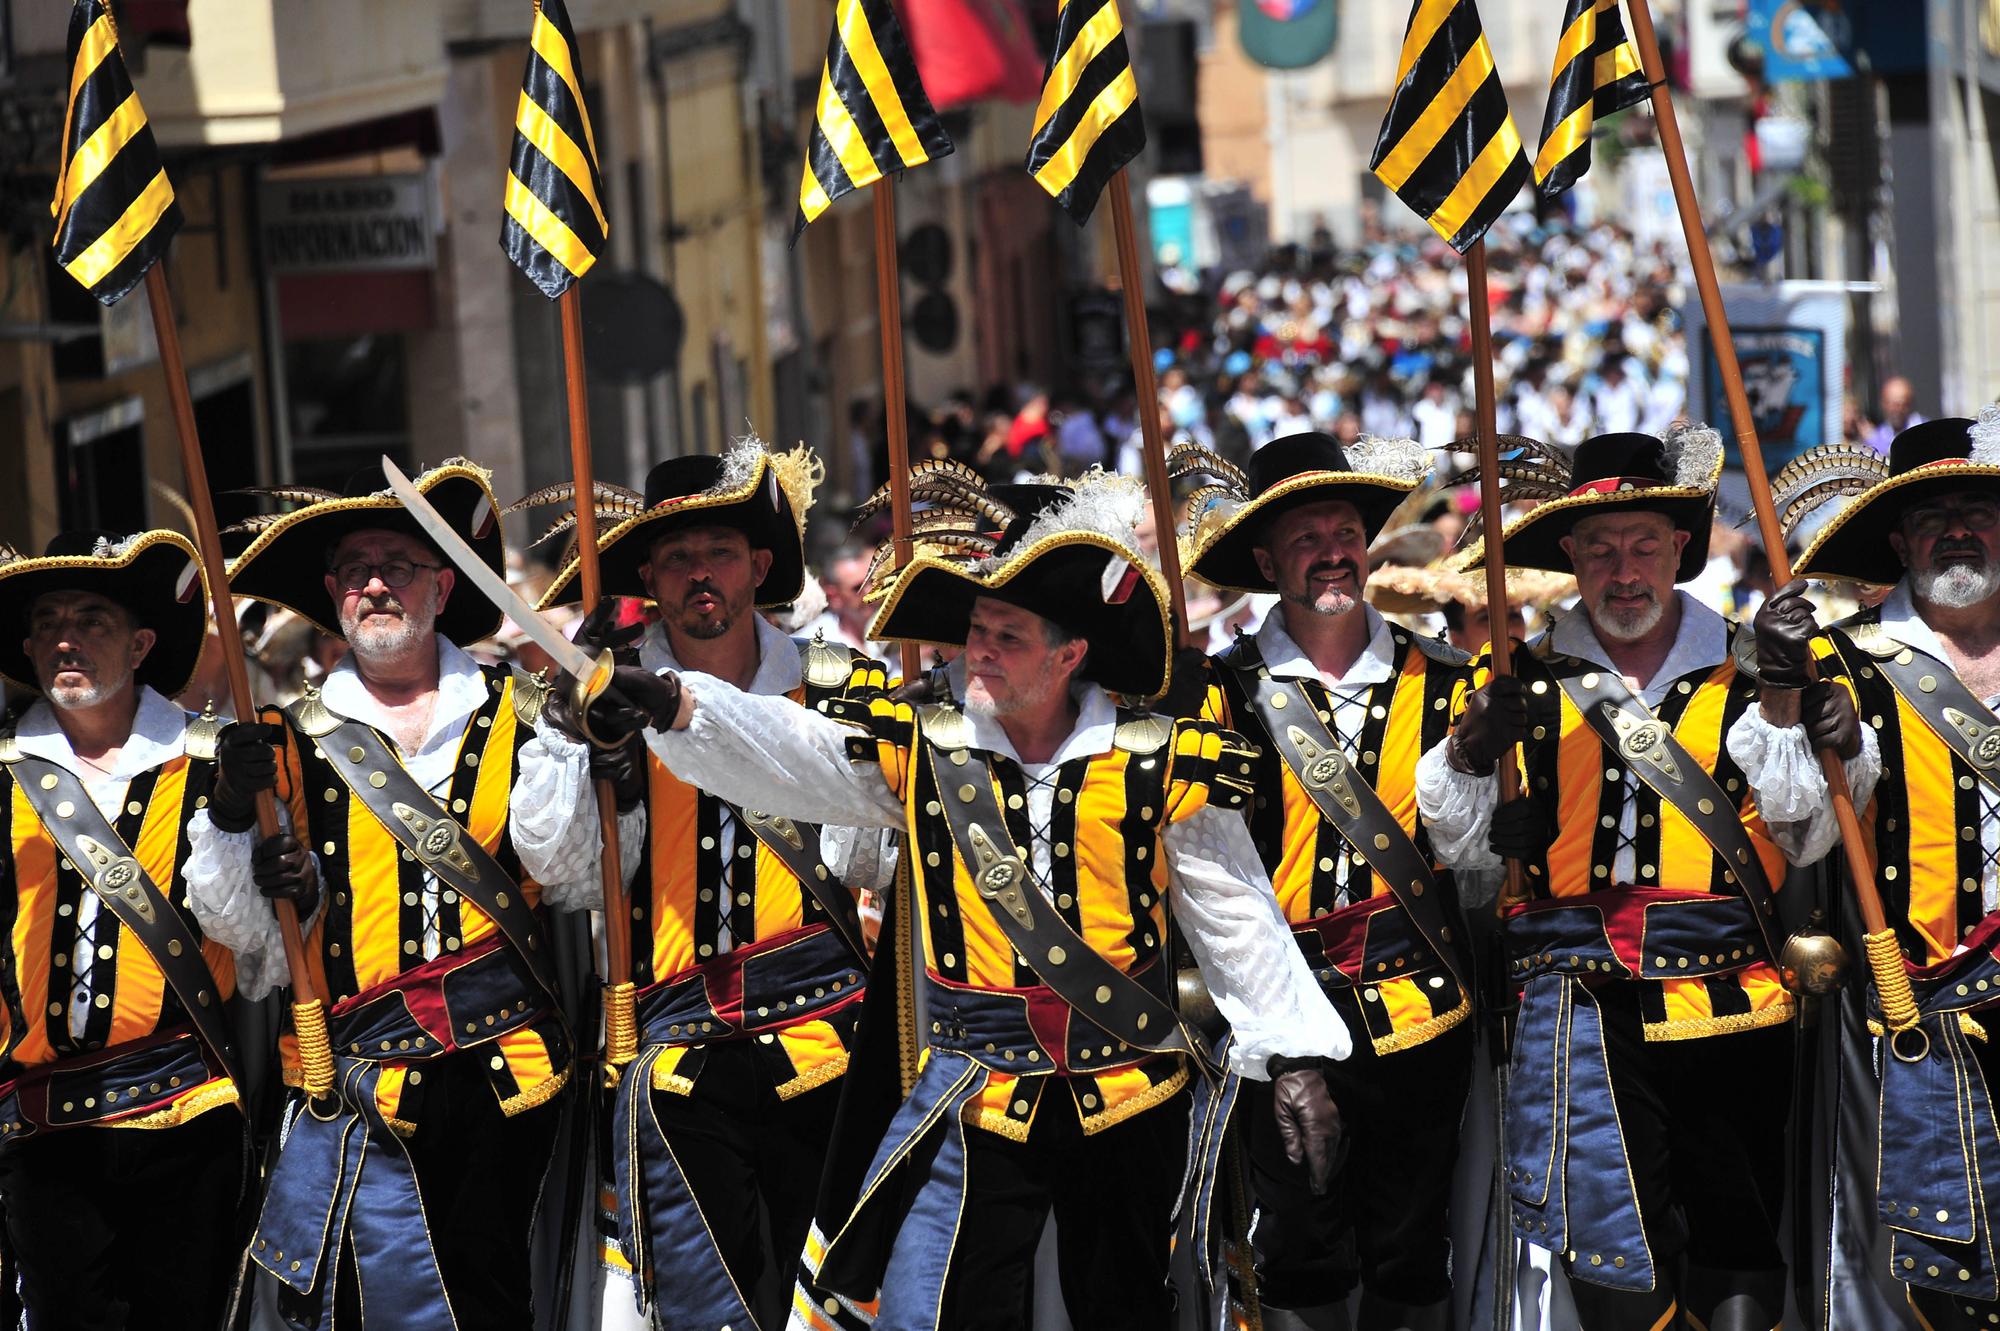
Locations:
column 1950, row 455
column 156, row 575
column 762, row 494
column 1228, row 520
column 287, row 563
column 1074, row 564
column 1628, row 472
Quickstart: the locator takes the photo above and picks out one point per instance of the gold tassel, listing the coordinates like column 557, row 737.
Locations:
column 1892, row 982
column 315, row 1048
column 621, row 1030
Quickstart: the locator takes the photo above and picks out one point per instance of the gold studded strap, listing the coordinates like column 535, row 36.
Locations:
column 378, row 780
column 1933, row 692
column 797, row 847
column 1076, row 971
column 1647, row 745
column 1337, row 790
column 103, row 860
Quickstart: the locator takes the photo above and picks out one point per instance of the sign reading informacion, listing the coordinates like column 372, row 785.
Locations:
column 349, row 223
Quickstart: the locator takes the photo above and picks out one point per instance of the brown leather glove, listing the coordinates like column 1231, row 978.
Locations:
column 283, row 871
column 1308, row 1120
column 246, row 762
column 624, row 766
column 1494, row 720
column 1830, row 719
column 1785, row 629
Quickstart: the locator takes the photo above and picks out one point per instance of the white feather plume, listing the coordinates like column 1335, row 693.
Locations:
column 1985, row 434
column 738, row 463
column 1693, row 455
column 1099, row 501
column 1404, row 459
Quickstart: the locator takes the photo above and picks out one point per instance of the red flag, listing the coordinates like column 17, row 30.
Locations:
column 973, row 49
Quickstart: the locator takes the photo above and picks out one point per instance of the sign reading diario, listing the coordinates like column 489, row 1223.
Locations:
column 348, row 223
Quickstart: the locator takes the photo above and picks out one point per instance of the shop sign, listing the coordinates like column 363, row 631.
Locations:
column 348, row 223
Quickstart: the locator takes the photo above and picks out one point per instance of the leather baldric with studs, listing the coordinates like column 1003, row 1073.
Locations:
column 377, row 778
column 797, row 847
column 1648, row 746
column 1336, row 789
column 1075, row 970
column 1962, row 722
column 107, row 865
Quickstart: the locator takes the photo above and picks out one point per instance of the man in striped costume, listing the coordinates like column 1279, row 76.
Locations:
column 440, row 818
column 122, row 1148
column 1340, row 704
column 1651, row 1077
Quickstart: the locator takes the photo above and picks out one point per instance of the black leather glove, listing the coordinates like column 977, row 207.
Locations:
column 1520, row 830
column 246, row 762
column 283, row 871
column 1494, row 720
column 1308, row 1120
column 1785, row 627
column 933, row 685
column 600, row 632
column 636, row 700
column 1830, row 720
column 624, row 766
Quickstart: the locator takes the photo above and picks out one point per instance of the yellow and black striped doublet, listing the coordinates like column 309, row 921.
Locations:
column 1586, row 785
column 1107, row 878
column 873, row 116
column 376, row 923
column 42, row 923
column 114, row 208
column 1448, row 147
column 1087, row 124
column 555, row 226
column 1596, row 73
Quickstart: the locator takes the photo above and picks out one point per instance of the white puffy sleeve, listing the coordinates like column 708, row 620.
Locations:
column 771, row 754
column 1223, row 903
column 228, row 907
column 1457, row 810
column 552, row 817
column 1789, row 785
column 862, row 858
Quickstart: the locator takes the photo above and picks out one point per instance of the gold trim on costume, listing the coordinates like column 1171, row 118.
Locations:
column 1695, row 1028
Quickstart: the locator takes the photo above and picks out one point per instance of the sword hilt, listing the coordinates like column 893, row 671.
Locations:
column 583, row 692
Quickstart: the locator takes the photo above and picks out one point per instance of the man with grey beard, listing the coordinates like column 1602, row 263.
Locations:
column 1924, row 668
column 1637, row 929
column 439, row 815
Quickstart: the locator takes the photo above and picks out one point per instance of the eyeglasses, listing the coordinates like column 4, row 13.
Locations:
column 396, row 573
column 1936, row 519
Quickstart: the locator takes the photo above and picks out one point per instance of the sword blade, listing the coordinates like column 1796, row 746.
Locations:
column 570, row 658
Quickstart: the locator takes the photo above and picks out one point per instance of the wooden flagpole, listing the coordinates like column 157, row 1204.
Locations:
column 308, row 1005
column 1884, row 957
column 895, row 413
column 1139, row 340
column 621, row 1031
column 1487, row 435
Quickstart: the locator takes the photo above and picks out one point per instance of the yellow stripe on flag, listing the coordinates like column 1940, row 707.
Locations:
column 1423, row 26
column 1096, row 34
column 539, row 128
column 1438, row 118
column 1061, row 169
column 1621, row 61
column 844, row 136
column 1576, row 41
column 99, row 41
column 97, row 151
column 859, row 39
column 111, row 248
column 812, row 198
column 1564, row 139
column 549, row 45
column 1473, row 187
column 548, row 230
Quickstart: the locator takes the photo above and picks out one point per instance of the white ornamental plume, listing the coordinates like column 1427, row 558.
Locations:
column 1401, row 459
column 798, row 473
column 1693, row 455
column 1099, row 501
column 1985, row 434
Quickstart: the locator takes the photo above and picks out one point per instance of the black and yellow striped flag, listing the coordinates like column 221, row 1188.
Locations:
column 1087, row 124
column 873, row 115
column 114, row 207
column 555, row 226
column 1448, row 146
column 1597, row 72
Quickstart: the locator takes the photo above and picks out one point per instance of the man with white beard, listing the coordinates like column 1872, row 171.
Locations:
column 1924, row 667
column 438, row 815
column 1639, row 938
